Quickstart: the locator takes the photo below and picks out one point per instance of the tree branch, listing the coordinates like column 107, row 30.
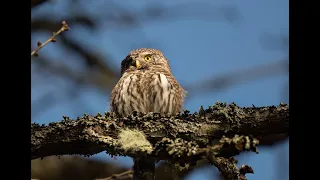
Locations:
column 219, row 131
column 89, row 135
column 228, row 168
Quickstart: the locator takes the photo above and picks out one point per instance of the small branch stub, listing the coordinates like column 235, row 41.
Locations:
column 123, row 175
column 245, row 169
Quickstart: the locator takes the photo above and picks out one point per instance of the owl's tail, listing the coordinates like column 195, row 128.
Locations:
column 143, row 169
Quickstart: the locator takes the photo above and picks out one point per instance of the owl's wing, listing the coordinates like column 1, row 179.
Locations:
column 172, row 93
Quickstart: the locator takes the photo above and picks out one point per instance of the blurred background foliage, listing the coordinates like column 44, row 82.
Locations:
column 79, row 62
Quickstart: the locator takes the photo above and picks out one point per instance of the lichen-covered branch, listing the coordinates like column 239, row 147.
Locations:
column 221, row 130
column 228, row 168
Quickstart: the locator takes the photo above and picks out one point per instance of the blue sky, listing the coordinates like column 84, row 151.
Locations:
column 198, row 46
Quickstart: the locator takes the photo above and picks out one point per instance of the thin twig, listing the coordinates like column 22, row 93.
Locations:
column 64, row 27
column 119, row 176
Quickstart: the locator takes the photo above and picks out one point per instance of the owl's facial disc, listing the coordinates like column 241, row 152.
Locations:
column 140, row 62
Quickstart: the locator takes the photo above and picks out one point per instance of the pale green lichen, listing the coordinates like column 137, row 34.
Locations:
column 182, row 167
column 180, row 147
column 209, row 128
column 241, row 143
column 134, row 140
column 101, row 138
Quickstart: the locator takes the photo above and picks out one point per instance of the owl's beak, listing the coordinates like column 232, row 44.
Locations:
column 138, row 64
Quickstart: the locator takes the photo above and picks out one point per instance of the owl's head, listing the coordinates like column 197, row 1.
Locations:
column 144, row 58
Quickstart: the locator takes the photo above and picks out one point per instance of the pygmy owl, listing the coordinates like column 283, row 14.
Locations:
column 146, row 85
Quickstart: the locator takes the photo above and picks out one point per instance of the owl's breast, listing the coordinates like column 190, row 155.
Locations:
column 164, row 95
column 129, row 96
column 146, row 92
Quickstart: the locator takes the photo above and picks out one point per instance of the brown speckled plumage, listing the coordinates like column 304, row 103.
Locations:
column 148, row 88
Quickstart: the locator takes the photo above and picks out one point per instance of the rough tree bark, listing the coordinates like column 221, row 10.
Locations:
column 215, row 134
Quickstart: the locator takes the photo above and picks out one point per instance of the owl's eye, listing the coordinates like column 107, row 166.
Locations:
column 148, row 57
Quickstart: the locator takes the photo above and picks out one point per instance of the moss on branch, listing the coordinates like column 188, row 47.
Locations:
column 222, row 130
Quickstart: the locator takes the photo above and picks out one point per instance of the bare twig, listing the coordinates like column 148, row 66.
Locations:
column 64, row 27
column 122, row 176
